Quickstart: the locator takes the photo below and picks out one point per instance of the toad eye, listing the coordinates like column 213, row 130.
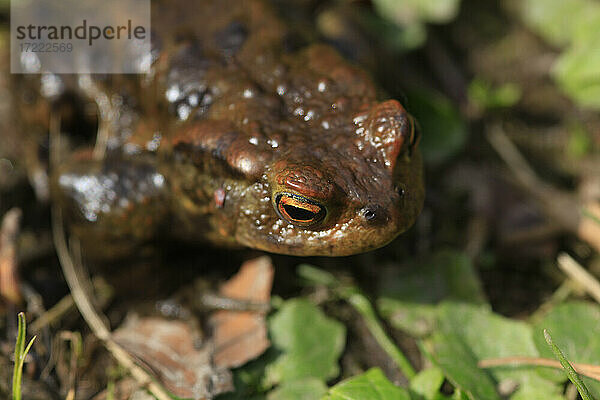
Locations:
column 298, row 209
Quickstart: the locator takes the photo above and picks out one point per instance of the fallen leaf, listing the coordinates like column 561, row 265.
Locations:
column 240, row 336
column 122, row 390
column 9, row 282
column 168, row 350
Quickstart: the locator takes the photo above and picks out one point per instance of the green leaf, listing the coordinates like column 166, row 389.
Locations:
column 444, row 130
column 301, row 389
column 410, row 11
column 459, row 364
column 317, row 276
column 459, row 395
column 408, row 298
column 576, row 25
column 365, row 309
column 412, row 15
column 574, row 327
column 310, row 343
column 397, row 37
column 577, row 72
column 427, row 383
column 249, row 380
column 372, row 385
column 467, row 334
column 446, row 275
column 417, row 320
column 580, row 141
column 485, row 96
column 553, row 19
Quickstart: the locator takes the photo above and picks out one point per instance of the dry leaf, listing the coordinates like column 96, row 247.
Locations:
column 122, row 390
column 9, row 282
column 240, row 336
column 589, row 226
column 167, row 349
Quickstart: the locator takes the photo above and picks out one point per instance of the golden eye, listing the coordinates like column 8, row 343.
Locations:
column 299, row 210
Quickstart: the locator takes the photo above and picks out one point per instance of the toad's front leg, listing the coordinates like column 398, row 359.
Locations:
column 112, row 205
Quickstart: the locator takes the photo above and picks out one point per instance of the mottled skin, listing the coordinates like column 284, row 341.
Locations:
column 230, row 122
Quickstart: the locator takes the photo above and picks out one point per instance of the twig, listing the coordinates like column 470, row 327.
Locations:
column 560, row 294
column 106, row 114
column 512, row 157
column 531, row 234
column 75, row 339
column 9, row 278
column 91, row 316
column 557, row 204
column 589, row 227
column 83, row 303
column 579, row 274
column 55, row 313
column 66, row 304
column 213, row 301
column 591, row 371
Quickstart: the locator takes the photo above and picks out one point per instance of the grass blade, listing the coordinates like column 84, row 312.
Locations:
column 20, row 353
column 571, row 373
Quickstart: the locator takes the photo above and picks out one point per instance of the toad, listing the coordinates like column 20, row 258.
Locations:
column 236, row 136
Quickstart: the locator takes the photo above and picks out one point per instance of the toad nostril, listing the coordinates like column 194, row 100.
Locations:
column 375, row 214
column 400, row 190
column 369, row 213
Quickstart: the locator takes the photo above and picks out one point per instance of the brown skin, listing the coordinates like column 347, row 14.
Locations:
column 239, row 140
